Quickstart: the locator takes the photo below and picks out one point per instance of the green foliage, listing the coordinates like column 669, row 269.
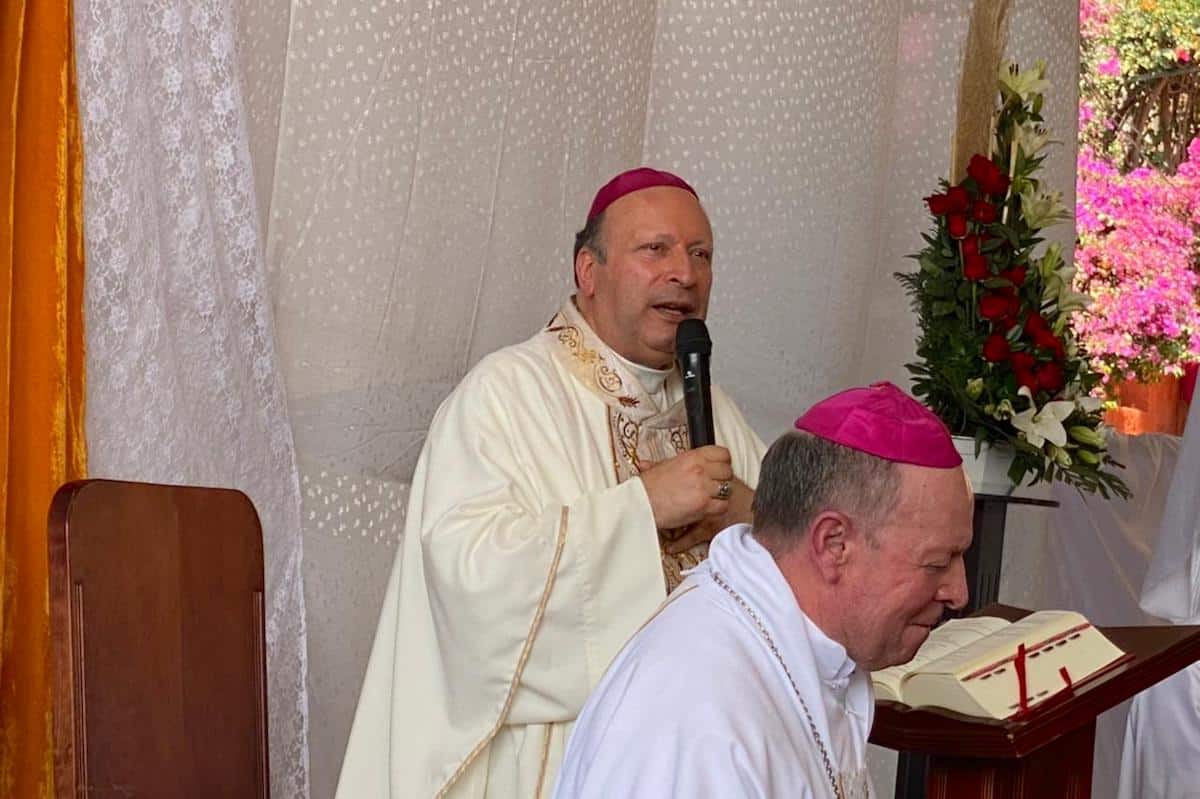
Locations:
column 1139, row 80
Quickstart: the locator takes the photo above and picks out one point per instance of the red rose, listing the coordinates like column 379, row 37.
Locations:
column 972, row 245
column 1042, row 337
column 958, row 200
column 1023, row 360
column 1050, row 377
column 993, row 306
column 987, row 175
column 1035, row 324
column 1006, row 323
column 975, row 267
column 995, row 348
column 956, row 224
column 1015, row 275
column 1012, row 301
column 983, row 211
column 1048, row 340
column 939, row 204
column 1026, row 377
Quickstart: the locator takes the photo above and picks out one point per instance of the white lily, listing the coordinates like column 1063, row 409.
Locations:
column 1052, row 261
column 1031, row 138
column 1046, row 424
column 1041, row 209
column 1090, row 404
column 1002, row 410
column 1060, row 455
column 1058, row 290
column 1059, row 282
column 1025, row 83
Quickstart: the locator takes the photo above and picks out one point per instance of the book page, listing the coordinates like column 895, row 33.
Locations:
column 1053, row 663
column 944, row 639
column 1031, row 630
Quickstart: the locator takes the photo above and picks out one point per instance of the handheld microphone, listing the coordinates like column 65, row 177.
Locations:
column 692, row 350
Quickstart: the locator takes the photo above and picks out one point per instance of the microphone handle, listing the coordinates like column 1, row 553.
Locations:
column 697, row 397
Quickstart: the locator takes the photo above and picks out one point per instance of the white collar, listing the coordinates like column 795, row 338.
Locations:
column 652, row 379
column 833, row 663
column 747, row 566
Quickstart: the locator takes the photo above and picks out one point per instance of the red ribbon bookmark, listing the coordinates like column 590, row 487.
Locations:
column 1022, row 684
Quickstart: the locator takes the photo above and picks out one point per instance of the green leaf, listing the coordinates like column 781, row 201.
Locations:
column 942, row 308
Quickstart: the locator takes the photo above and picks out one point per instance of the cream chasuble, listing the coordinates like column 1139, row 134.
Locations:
column 529, row 557
column 729, row 692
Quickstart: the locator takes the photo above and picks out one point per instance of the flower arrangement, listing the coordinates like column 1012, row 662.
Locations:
column 996, row 358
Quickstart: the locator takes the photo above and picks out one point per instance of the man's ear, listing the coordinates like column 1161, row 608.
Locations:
column 829, row 540
column 585, row 272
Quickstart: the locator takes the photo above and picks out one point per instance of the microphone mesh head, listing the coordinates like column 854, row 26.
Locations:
column 691, row 337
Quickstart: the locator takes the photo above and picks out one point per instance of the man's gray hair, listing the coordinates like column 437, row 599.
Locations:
column 590, row 238
column 804, row 475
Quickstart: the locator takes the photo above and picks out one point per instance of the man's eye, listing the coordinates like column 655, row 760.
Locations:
column 937, row 567
column 702, row 254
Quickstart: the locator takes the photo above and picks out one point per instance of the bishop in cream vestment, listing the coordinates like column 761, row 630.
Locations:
column 529, row 558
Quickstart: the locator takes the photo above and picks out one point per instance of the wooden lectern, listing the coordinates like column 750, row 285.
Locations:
column 1048, row 753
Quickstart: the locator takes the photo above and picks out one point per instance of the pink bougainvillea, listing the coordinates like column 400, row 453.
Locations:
column 1136, row 254
column 1093, row 16
column 1110, row 66
column 1138, row 229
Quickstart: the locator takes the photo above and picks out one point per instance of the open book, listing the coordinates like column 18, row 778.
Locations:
column 973, row 665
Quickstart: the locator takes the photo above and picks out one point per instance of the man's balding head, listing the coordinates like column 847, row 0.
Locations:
column 645, row 267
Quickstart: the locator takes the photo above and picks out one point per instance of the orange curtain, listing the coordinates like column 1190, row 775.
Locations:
column 41, row 360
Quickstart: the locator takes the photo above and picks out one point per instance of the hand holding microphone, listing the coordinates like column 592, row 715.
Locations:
column 695, row 485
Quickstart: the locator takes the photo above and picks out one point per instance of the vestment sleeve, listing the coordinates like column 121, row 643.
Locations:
column 536, row 571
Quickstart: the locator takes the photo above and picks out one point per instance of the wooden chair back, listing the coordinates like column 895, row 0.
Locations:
column 157, row 642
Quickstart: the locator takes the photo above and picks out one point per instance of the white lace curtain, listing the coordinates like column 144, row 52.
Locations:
column 183, row 381
column 421, row 167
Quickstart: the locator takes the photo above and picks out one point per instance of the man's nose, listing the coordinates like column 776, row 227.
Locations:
column 680, row 268
column 953, row 591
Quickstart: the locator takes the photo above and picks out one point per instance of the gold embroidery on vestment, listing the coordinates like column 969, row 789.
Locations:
column 639, row 432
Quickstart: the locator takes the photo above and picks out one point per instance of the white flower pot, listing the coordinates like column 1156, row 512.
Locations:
column 988, row 472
